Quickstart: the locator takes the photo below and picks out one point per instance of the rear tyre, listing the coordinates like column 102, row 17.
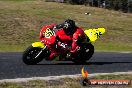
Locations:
column 84, row 54
column 30, row 54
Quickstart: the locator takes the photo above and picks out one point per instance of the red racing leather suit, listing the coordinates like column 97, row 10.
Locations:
column 70, row 40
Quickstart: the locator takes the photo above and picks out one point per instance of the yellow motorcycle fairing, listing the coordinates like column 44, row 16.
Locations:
column 38, row 44
column 94, row 34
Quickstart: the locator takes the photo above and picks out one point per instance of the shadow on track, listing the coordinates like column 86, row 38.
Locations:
column 87, row 63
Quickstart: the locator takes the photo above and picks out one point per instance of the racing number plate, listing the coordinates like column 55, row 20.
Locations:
column 48, row 33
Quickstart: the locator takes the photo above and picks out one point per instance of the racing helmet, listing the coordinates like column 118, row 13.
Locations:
column 69, row 26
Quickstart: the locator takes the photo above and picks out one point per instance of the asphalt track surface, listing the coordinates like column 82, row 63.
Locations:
column 11, row 65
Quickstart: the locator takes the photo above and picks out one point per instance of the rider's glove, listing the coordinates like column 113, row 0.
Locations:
column 55, row 29
column 58, row 27
column 64, row 46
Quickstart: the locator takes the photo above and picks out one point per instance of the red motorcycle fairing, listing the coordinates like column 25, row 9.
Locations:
column 47, row 35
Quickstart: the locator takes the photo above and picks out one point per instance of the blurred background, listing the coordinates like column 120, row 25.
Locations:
column 121, row 5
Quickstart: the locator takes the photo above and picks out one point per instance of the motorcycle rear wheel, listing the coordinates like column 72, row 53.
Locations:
column 83, row 56
column 30, row 54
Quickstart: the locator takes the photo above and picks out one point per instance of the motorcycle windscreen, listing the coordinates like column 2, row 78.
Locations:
column 94, row 34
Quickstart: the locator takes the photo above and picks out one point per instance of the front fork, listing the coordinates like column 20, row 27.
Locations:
column 40, row 52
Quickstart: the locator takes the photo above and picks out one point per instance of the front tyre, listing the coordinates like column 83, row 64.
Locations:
column 30, row 54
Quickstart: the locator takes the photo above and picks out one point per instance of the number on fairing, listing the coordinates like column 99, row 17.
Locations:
column 98, row 34
column 48, row 33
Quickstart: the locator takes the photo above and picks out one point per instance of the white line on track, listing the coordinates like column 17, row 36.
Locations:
column 114, row 51
column 59, row 77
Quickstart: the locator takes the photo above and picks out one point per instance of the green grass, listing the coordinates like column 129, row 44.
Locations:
column 21, row 20
column 114, row 77
column 67, row 82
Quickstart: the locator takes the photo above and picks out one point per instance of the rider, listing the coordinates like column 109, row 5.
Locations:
column 69, row 34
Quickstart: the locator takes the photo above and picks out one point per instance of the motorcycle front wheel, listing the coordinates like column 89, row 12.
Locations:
column 29, row 55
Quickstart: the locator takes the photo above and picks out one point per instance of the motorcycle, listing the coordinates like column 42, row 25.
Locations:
column 38, row 51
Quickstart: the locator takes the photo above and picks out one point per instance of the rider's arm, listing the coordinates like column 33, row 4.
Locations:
column 74, row 43
column 78, row 37
column 58, row 27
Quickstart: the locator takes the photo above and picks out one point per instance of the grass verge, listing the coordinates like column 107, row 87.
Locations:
column 67, row 82
column 21, row 20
